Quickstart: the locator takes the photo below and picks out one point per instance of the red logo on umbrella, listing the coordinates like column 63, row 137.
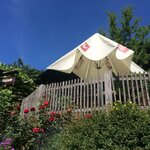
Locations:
column 122, row 48
column 85, row 47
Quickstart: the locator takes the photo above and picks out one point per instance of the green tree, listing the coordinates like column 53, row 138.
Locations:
column 126, row 30
column 31, row 72
column 20, row 62
column 11, row 95
column 25, row 81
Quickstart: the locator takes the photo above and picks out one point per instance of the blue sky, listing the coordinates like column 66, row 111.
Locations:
column 41, row 31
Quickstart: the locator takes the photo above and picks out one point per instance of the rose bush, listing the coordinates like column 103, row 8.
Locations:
column 36, row 128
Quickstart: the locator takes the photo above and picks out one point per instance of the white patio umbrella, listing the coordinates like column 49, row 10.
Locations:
column 94, row 57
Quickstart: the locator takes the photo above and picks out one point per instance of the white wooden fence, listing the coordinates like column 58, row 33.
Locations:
column 91, row 95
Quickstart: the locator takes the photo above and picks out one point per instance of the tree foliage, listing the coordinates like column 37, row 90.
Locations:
column 24, row 80
column 126, row 30
column 11, row 95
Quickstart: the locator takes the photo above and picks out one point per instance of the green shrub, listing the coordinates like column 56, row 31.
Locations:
column 124, row 127
column 120, row 127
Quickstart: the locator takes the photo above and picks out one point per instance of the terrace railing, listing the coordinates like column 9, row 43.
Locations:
column 84, row 96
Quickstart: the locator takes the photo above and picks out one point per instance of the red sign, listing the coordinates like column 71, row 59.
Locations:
column 85, row 47
column 122, row 48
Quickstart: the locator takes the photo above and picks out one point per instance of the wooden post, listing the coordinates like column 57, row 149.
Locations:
column 108, row 88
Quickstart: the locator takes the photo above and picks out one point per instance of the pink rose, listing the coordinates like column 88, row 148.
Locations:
column 46, row 103
column 26, row 111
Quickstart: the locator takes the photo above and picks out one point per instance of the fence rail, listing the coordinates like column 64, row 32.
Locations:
column 86, row 96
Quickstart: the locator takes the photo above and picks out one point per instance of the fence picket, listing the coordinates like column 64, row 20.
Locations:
column 84, row 97
column 146, row 90
column 98, row 94
column 65, row 96
column 91, row 96
column 62, row 96
column 120, row 99
column 128, row 88
column 123, row 85
column 71, row 93
column 51, row 100
column 137, row 89
column 88, row 107
column 68, row 94
column 102, row 94
column 81, row 97
column 74, row 96
column 133, row 90
column 56, row 97
column 142, row 90
column 113, row 89
column 94, row 93
column 59, row 98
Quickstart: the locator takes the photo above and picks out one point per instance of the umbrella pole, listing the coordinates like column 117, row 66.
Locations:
column 108, row 87
column 87, row 70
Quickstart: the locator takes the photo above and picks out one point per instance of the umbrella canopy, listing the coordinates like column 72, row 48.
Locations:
column 94, row 57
